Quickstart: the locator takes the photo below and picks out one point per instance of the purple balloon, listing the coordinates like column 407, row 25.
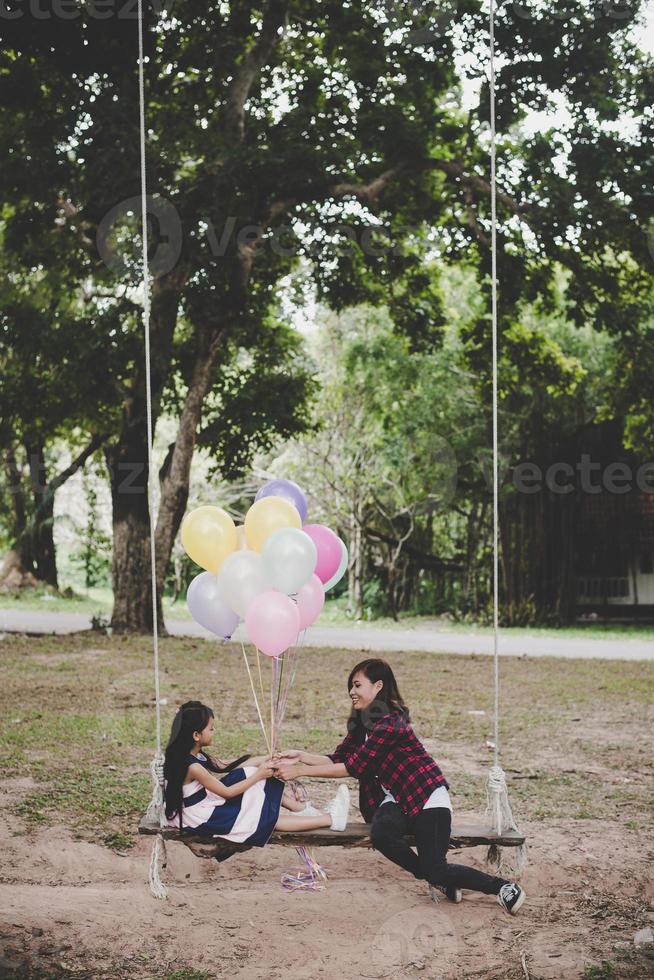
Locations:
column 288, row 491
column 207, row 606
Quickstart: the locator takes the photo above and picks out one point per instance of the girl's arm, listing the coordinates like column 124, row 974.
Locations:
column 209, row 781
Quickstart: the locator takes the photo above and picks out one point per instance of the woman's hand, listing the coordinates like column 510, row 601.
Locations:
column 290, row 756
column 288, row 772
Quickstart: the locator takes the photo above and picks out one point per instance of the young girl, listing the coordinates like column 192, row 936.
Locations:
column 402, row 790
column 244, row 806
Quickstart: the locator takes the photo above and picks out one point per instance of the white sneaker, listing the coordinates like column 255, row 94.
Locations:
column 339, row 808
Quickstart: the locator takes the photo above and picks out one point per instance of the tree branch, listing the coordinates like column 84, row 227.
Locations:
column 77, row 464
column 272, row 29
column 370, row 192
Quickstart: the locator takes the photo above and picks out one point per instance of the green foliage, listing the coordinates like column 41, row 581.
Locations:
column 118, row 841
column 402, row 447
column 604, row 972
column 94, row 556
column 186, row 973
column 333, row 136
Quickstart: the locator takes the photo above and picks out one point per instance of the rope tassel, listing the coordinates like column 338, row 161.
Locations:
column 157, row 812
column 157, row 861
column 498, row 811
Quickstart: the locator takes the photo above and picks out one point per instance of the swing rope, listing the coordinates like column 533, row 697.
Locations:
column 156, row 808
column 498, row 808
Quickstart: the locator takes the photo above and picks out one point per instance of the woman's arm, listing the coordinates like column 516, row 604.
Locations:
column 311, row 759
column 291, row 756
column 327, row 770
column 210, row 782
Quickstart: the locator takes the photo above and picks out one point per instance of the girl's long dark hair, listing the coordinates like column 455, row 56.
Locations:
column 388, row 700
column 192, row 716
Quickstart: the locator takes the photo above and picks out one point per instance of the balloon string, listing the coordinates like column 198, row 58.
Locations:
column 311, row 880
column 273, row 668
column 280, row 686
column 292, row 666
column 256, row 700
column 296, row 664
column 290, row 660
column 260, row 677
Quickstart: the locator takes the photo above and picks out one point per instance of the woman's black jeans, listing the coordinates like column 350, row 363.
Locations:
column 432, row 833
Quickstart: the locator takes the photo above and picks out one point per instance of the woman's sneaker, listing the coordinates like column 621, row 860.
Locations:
column 511, row 897
column 309, row 811
column 451, row 893
column 339, row 808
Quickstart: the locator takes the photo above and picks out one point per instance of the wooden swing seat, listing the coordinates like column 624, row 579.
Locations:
column 355, row 835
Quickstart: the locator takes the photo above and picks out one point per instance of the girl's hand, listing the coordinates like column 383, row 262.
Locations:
column 266, row 769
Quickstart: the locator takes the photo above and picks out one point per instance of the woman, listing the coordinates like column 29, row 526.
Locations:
column 401, row 789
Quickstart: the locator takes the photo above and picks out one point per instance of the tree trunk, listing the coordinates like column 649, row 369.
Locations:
column 127, row 462
column 175, row 473
column 42, row 537
column 355, row 570
column 22, row 546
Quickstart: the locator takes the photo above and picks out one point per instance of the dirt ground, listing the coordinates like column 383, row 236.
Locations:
column 580, row 769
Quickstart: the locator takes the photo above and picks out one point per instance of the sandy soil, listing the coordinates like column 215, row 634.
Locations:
column 576, row 745
column 69, row 907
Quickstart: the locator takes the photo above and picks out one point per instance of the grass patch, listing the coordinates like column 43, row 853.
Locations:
column 604, row 972
column 78, row 720
column 188, row 974
column 118, row 841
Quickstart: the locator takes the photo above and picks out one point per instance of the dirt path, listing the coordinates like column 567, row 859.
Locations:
column 364, row 637
column 76, row 730
column 67, row 903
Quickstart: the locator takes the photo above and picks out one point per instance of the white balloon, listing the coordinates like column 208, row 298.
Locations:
column 242, row 577
column 340, row 571
column 290, row 558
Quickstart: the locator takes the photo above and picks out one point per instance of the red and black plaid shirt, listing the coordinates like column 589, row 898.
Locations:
column 391, row 756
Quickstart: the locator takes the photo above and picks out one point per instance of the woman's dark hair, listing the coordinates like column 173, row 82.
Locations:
column 388, row 700
column 192, row 716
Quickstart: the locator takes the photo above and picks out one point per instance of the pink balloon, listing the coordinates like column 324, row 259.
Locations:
column 329, row 550
column 272, row 622
column 310, row 600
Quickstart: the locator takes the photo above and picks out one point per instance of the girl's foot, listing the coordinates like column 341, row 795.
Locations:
column 339, row 807
column 511, row 897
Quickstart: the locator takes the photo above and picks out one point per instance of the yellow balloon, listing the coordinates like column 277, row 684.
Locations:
column 208, row 536
column 266, row 516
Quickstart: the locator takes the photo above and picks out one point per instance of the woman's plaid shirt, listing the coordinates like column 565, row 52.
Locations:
column 391, row 756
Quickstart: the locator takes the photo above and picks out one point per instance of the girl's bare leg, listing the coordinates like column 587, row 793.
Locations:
column 292, row 822
column 290, row 803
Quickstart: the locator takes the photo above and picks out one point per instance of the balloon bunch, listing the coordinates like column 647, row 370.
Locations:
column 272, row 572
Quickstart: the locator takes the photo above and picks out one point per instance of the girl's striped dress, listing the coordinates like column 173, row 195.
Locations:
column 246, row 819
